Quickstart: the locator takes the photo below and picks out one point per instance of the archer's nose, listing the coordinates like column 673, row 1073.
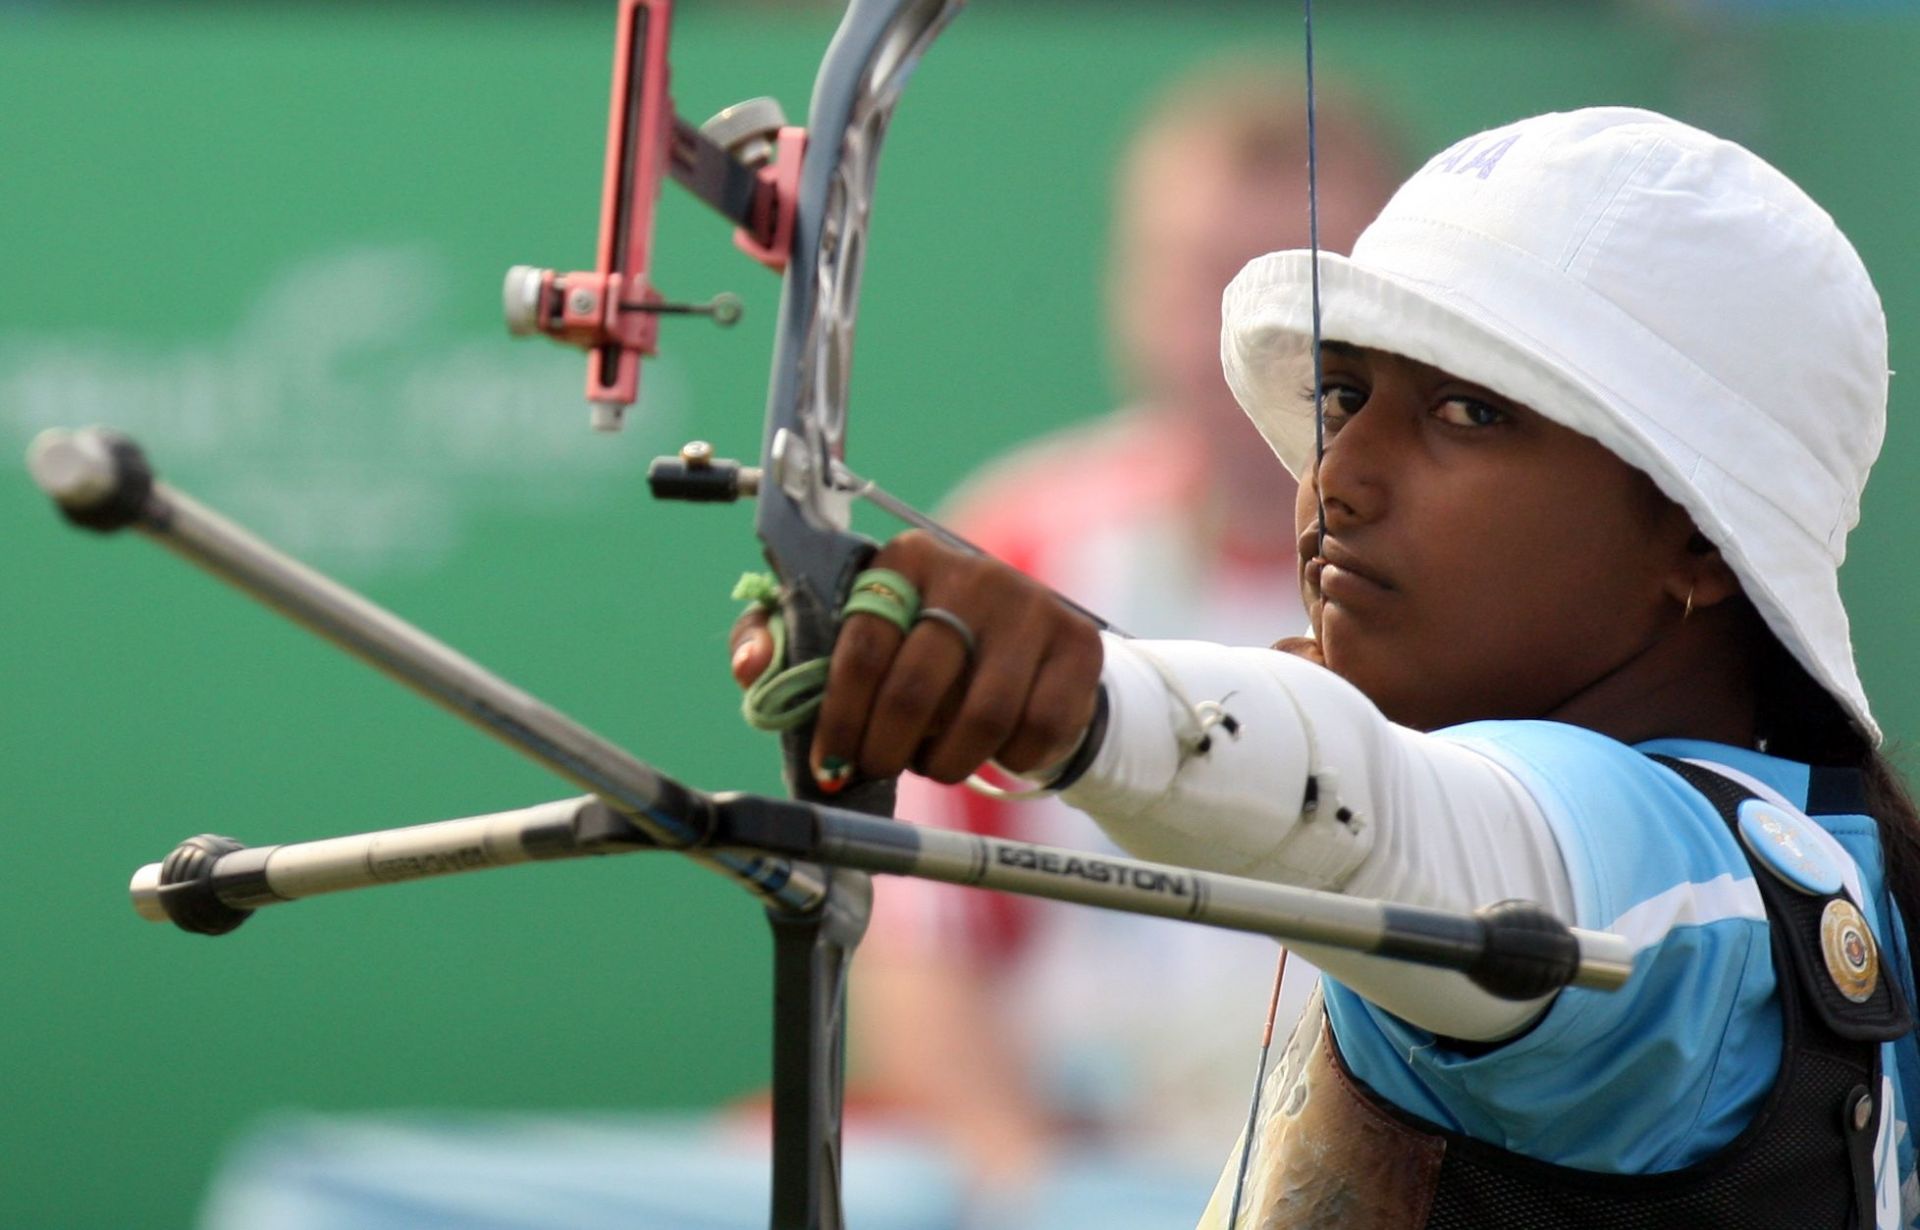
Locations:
column 1354, row 467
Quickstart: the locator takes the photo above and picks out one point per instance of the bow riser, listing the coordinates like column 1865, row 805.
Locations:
column 802, row 516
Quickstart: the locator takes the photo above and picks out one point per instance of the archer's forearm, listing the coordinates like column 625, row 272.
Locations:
column 1398, row 814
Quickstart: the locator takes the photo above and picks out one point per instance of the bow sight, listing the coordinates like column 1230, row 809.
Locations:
column 744, row 162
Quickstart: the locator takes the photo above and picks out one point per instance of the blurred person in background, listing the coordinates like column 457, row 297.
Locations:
column 1020, row 1031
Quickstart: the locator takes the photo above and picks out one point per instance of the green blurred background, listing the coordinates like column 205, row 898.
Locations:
column 268, row 240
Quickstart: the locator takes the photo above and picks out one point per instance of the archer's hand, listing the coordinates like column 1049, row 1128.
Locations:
column 920, row 700
column 1301, row 647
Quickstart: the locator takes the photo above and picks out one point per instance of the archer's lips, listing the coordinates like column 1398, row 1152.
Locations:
column 1340, row 576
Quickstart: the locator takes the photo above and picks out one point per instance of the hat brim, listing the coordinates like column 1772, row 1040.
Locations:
column 1266, row 350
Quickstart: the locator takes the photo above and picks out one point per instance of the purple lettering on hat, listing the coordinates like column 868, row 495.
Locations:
column 1485, row 155
column 1450, row 158
column 1488, row 157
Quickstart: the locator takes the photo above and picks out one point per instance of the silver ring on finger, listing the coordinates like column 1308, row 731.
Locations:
column 958, row 626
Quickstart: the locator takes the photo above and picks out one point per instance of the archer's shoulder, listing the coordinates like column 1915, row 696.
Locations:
column 1579, row 772
column 1565, row 752
column 1628, row 827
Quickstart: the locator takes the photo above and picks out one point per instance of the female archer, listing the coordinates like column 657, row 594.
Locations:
column 1597, row 399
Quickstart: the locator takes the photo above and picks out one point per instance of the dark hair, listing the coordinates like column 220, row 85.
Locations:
column 1800, row 720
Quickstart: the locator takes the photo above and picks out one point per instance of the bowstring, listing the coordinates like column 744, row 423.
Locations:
column 1259, row 1079
column 1319, row 548
column 1313, row 259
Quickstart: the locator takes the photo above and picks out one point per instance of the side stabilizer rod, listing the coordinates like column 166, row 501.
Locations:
column 1513, row 949
column 103, row 482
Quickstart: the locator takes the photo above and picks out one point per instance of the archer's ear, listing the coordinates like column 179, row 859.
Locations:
column 1702, row 577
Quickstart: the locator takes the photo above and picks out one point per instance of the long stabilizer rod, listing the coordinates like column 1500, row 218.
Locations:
column 102, row 481
column 1515, row 949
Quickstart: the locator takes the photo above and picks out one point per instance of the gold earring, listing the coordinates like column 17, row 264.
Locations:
column 1684, row 615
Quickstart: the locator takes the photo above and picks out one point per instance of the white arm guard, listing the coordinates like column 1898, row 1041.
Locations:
column 1396, row 814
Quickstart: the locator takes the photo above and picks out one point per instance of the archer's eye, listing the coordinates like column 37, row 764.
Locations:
column 1340, row 402
column 1469, row 412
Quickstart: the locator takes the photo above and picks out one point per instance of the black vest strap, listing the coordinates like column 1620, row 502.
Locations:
column 1835, row 792
column 1796, row 917
column 1883, row 1016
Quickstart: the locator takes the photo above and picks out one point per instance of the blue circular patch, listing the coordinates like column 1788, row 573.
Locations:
column 1790, row 846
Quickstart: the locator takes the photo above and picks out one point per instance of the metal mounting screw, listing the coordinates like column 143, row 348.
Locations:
column 581, row 302
column 747, row 129
column 696, row 454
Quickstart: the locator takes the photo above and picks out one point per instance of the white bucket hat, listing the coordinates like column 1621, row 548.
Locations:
column 1647, row 284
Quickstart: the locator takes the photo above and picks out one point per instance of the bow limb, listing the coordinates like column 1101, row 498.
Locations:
column 802, row 515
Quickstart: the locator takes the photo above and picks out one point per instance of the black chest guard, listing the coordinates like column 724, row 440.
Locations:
column 1806, row 1160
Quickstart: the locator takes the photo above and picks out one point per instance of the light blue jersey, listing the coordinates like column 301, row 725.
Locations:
column 1667, row 1071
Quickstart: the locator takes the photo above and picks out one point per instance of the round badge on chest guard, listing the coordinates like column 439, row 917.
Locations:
column 1852, row 960
column 1790, row 847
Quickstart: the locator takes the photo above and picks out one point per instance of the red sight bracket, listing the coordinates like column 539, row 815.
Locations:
column 744, row 163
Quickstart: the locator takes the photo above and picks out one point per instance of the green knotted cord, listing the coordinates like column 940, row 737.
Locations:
column 785, row 696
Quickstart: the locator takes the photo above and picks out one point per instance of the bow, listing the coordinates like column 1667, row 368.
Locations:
column 805, row 213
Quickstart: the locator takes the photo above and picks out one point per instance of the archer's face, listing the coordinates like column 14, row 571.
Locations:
column 1480, row 560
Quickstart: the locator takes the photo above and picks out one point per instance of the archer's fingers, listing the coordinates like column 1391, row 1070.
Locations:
column 862, row 655
column 996, row 697
column 751, row 646
column 1060, row 706
column 908, row 707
